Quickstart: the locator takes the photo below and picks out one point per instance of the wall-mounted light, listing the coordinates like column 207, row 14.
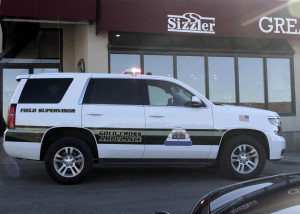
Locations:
column 118, row 35
column 80, row 66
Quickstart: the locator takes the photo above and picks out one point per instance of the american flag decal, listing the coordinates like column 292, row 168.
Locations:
column 244, row 118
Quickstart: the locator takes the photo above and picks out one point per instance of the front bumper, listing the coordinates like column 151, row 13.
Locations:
column 277, row 146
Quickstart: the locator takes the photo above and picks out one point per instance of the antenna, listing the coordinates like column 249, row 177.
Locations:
column 58, row 29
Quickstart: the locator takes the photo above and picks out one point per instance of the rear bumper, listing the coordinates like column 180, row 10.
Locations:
column 25, row 150
column 19, row 149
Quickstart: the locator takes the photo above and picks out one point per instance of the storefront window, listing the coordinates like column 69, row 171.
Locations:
column 161, row 65
column 279, row 85
column 273, row 91
column 121, row 62
column 45, row 70
column 191, row 70
column 19, row 60
column 221, row 80
column 44, row 47
column 251, row 82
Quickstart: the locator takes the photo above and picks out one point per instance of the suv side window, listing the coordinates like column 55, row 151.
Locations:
column 163, row 93
column 113, row 91
column 49, row 90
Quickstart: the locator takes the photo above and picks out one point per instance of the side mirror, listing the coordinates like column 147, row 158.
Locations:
column 196, row 102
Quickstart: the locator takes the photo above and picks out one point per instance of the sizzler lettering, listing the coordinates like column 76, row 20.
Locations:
column 191, row 23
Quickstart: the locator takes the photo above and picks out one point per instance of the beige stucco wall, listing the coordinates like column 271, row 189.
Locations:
column 81, row 41
column 81, row 44
column 92, row 48
column 98, row 53
column 68, row 48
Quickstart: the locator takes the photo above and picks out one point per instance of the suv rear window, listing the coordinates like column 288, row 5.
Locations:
column 114, row 91
column 45, row 90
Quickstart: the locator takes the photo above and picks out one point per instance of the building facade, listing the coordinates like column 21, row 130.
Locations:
column 233, row 52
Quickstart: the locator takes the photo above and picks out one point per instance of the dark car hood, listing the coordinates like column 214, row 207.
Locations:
column 238, row 197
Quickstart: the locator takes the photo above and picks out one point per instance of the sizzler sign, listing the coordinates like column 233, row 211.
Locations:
column 191, row 23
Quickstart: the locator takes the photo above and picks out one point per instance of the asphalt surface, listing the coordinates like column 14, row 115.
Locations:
column 25, row 187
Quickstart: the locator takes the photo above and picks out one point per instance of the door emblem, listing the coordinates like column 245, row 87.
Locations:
column 178, row 137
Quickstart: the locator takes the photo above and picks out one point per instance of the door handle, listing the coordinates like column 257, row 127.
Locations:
column 95, row 114
column 156, row 115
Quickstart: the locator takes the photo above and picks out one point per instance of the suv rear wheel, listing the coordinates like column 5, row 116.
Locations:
column 68, row 160
column 242, row 158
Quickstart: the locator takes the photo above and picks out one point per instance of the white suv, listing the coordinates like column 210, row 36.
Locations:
column 70, row 120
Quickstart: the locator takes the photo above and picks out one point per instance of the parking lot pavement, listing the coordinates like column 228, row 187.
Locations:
column 291, row 158
column 26, row 188
column 289, row 163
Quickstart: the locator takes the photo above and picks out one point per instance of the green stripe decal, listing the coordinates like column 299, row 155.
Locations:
column 152, row 132
column 218, row 133
column 26, row 134
column 120, row 136
column 27, row 130
column 153, row 136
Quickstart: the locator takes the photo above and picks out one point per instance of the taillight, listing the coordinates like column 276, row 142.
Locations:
column 11, row 119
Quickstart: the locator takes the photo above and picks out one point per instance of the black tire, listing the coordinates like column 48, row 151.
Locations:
column 72, row 156
column 242, row 151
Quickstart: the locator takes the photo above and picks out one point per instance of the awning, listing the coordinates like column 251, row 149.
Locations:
column 49, row 9
column 221, row 18
column 197, row 44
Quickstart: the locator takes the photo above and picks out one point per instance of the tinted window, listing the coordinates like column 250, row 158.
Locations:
column 44, row 90
column 162, row 93
column 114, row 91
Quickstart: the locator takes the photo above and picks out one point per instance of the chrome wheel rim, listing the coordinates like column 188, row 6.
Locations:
column 244, row 159
column 68, row 162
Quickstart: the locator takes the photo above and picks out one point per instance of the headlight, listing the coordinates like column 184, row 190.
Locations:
column 276, row 121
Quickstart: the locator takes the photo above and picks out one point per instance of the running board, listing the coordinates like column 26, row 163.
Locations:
column 157, row 162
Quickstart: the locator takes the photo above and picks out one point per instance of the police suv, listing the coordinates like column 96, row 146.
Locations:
column 71, row 120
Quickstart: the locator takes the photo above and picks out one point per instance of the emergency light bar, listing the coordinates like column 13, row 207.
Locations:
column 132, row 71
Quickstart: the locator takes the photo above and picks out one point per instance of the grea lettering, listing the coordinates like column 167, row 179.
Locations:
column 278, row 25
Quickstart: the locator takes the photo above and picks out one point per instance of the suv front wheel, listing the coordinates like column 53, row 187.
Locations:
column 242, row 158
column 69, row 160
